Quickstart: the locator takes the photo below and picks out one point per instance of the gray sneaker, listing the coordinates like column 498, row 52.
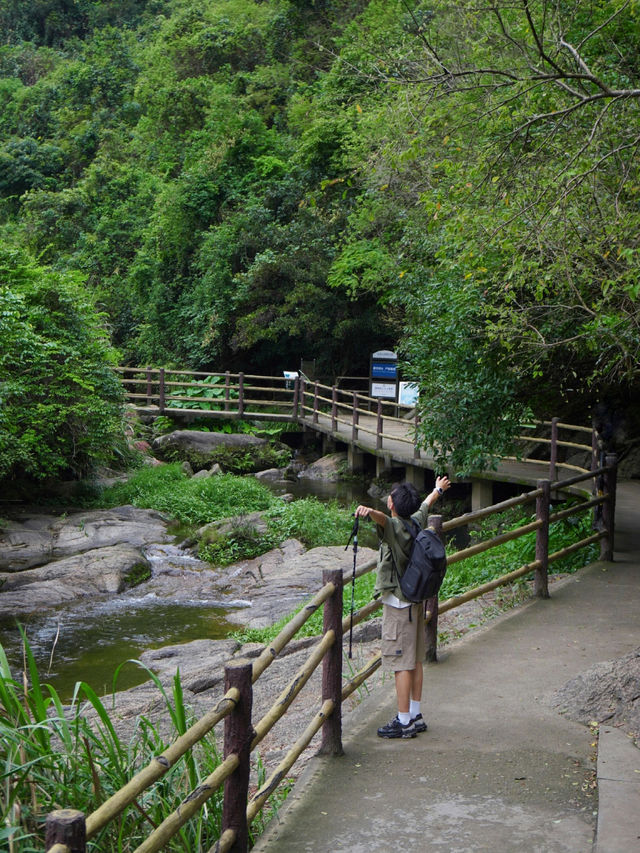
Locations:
column 394, row 728
column 419, row 723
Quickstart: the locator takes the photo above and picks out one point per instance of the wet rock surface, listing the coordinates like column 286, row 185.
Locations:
column 99, row 571
column 32, row 539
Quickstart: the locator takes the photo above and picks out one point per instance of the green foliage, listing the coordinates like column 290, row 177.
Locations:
column 312, row 521
column 234, row 460
column 195, row 501
column 242, row 543
column 204, row 394
column 245, row 184
column 510, row 556
column 56, row 756
column 60, row 400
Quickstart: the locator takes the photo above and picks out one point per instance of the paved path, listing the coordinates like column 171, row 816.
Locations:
column 499, row 769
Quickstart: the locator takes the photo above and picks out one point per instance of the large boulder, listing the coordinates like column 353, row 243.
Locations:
column 204, row 442
column 277, row 582
column 606, row 693
column 33, row 540
column 104, row 570
column 328, row 468
column 235, row 452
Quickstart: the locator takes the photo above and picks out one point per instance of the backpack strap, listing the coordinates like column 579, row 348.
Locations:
column 411, row 534
column 408, row 528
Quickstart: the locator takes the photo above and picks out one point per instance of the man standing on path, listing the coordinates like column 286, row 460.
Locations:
column 403, row 628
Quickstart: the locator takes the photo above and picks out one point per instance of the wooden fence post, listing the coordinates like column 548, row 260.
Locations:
column 609, row 507
column 161, row 391
column 240, row 395
column 594, row 453
column 431, row 604
column 149, row 387
column 541, row 574
column 356, row 418
column 553, row 461
column 315, row 403
column 334, row 409
column 66, row 826
column 379, row 426
column 332, row 666
column 296, row 398
column 227, row 389
column 238, row 734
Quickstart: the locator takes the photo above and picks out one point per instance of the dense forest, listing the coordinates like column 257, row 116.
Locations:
column 236, row 184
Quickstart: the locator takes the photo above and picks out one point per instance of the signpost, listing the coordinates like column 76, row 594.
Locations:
column 384, row 375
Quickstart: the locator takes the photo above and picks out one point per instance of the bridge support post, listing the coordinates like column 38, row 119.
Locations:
column 383, row 463
column 481, row 494
column 355, row 459
column 328, row 444
column 415, row 476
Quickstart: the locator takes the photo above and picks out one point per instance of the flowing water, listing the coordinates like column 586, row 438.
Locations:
column 90, row 638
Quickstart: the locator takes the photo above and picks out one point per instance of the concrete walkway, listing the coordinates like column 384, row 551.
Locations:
column 499, row 769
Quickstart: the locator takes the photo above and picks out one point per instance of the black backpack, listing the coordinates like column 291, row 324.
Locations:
column 426, row 567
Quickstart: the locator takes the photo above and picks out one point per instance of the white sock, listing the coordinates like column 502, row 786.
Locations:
column 414, row 709
column 404, row 717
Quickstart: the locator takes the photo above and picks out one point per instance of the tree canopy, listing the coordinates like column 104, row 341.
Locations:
column 60, row 400
column 246, row 184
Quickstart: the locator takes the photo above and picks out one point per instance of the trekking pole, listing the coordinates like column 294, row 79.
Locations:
column 354, row 536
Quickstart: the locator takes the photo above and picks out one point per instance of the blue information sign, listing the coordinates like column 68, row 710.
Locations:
column 384, row 370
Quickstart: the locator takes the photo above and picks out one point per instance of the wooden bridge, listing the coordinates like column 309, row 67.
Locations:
column 365, row 425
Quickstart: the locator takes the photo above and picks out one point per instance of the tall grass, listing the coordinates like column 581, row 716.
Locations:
column 71, row 756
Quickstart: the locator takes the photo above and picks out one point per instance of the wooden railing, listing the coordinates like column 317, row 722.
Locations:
column 67, row 830
column 192, row 393
column 349, row 416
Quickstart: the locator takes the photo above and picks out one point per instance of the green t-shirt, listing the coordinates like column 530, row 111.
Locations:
column 395, row 545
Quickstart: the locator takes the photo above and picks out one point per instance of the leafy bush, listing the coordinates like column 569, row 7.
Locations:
column 204, row 394
column 312, row 522
column 243, row 543
column 194, row 501
column 60, row 400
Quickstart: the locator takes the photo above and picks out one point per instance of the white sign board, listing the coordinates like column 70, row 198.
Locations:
column 407, row 393
column 384, row 389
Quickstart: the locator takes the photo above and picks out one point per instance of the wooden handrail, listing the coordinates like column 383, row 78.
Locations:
column 233, row 707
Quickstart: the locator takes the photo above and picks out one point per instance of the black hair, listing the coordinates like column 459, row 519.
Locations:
column 406, row 499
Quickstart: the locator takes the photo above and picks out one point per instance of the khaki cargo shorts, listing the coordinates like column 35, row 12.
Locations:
column 403, row 641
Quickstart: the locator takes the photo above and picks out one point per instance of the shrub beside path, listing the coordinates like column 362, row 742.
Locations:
column 505, row 765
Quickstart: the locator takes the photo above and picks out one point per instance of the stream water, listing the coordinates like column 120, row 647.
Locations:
column 89, row 639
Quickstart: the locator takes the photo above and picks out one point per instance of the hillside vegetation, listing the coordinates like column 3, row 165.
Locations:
column 240, row 185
